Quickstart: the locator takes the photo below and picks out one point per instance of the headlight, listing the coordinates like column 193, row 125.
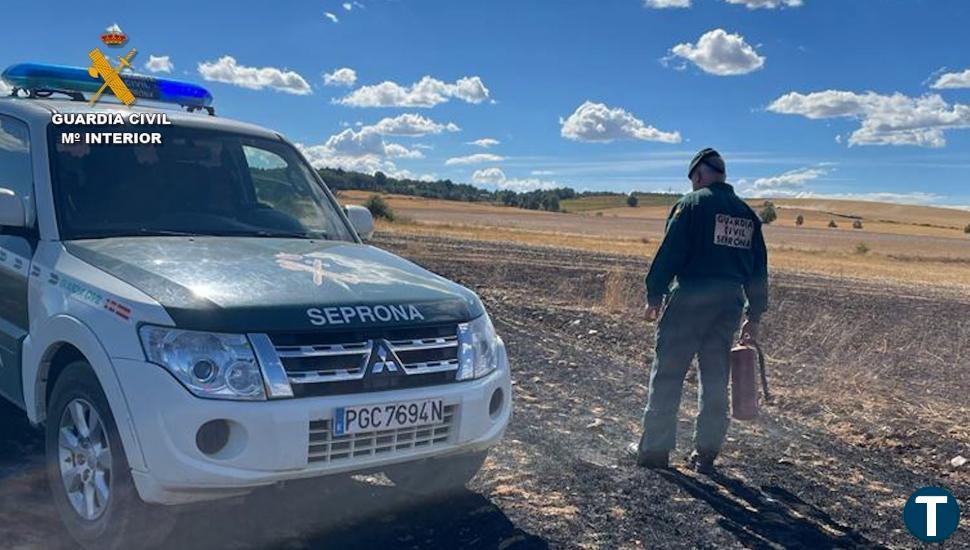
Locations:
column 210, row 365
column 479, row 348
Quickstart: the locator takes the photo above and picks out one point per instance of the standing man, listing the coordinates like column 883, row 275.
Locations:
column 715, row 251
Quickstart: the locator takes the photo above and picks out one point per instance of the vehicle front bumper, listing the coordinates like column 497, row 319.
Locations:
column 269, row 440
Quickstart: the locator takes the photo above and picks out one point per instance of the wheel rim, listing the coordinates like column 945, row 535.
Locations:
column 85, row 459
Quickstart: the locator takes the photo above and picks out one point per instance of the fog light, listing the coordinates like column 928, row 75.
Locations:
column 495, row 405
column 212, row 437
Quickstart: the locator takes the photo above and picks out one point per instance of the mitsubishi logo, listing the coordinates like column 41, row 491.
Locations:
column 385, row 359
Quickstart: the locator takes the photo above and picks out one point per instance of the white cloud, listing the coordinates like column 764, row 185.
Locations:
column 396, row 150
column 952, row 80
column 597, row 122
column 344, row 76
column 367, row 141
column 333, row 18
column 491, row 176
column 5, row 88
column 791, row 180
column 496, row 177
column 542, row 172
column 427, row 92
column 484, row 143
column 885, row 119
column 767, row 4
column 322, row 157
column 255, row 78
column 347, row 6
column 720, row 53
column 413, row 125
column 159, row 64
column 660, row 4
column 477, row 158
column 917, row 197
column 792, row 184
column 365, row 150
column 355, row 143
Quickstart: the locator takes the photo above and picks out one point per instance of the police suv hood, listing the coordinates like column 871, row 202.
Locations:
column 237, row 284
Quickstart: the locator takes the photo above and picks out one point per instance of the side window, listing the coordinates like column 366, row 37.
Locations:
column 16, row 173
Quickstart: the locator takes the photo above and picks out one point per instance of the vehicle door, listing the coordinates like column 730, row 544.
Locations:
column 17, row 245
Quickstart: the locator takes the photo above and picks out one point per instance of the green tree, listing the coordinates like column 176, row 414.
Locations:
column 967, row 229
column 857, row 224
column 379, row 208
column 800, row 220
column 768, row 213
column 832, row 224
column 632, row 201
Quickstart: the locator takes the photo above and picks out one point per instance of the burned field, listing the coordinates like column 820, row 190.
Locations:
column 871, row 402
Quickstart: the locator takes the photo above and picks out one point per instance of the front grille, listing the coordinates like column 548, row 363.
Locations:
column 336, row 363
column 325, row 447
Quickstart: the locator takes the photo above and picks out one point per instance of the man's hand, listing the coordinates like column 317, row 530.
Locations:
column 749, row 331
column 652, row 313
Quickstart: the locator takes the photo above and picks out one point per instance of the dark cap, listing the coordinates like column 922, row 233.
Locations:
column 710, row 157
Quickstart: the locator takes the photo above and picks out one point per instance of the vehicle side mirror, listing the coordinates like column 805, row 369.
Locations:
column 12, row 212
column 361, row 219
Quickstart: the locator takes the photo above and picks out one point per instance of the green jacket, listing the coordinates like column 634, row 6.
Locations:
column 712, row 236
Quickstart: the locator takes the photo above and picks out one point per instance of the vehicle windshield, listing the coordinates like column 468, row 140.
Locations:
column 196, row 182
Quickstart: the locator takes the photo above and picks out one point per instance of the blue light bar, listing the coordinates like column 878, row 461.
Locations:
column 37, row 76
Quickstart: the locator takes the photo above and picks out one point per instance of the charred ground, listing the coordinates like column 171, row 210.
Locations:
column 871, row 403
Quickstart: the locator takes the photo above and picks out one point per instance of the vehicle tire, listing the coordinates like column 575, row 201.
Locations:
column 88, row 473
column 437, row 475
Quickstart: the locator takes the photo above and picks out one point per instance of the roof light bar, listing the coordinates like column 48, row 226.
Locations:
column 38, row 76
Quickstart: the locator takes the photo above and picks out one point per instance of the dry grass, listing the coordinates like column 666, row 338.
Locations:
column 618, row 288
column 847, row 264
column 915, row 244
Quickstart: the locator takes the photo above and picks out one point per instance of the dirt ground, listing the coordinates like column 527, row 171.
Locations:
column 871, row 402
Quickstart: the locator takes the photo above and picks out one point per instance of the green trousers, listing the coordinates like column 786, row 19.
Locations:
column 699, row 319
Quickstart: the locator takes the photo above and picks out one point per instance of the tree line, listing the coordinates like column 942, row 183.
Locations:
column 540, row 199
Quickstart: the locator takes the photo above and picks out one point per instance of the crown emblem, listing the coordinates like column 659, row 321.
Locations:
column 114, row 36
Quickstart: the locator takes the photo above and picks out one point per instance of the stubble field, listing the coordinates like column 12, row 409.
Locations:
column 871, row 402
column 916, row 245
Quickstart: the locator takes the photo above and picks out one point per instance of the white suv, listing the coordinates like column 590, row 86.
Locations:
column 196, row 318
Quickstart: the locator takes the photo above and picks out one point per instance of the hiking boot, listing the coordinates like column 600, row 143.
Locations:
column 702, row 462
column 648, row 459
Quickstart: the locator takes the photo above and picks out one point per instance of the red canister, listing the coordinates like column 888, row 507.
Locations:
column 744, row 383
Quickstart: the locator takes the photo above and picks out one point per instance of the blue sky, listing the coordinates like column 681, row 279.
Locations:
column 853, row 98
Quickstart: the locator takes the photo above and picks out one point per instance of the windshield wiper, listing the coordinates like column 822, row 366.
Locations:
column 148, row 232
column 288, row 234
column 140, row 232
column 274, row 234
column 168, row 232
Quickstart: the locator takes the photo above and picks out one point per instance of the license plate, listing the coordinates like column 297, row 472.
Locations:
column 371, row 418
